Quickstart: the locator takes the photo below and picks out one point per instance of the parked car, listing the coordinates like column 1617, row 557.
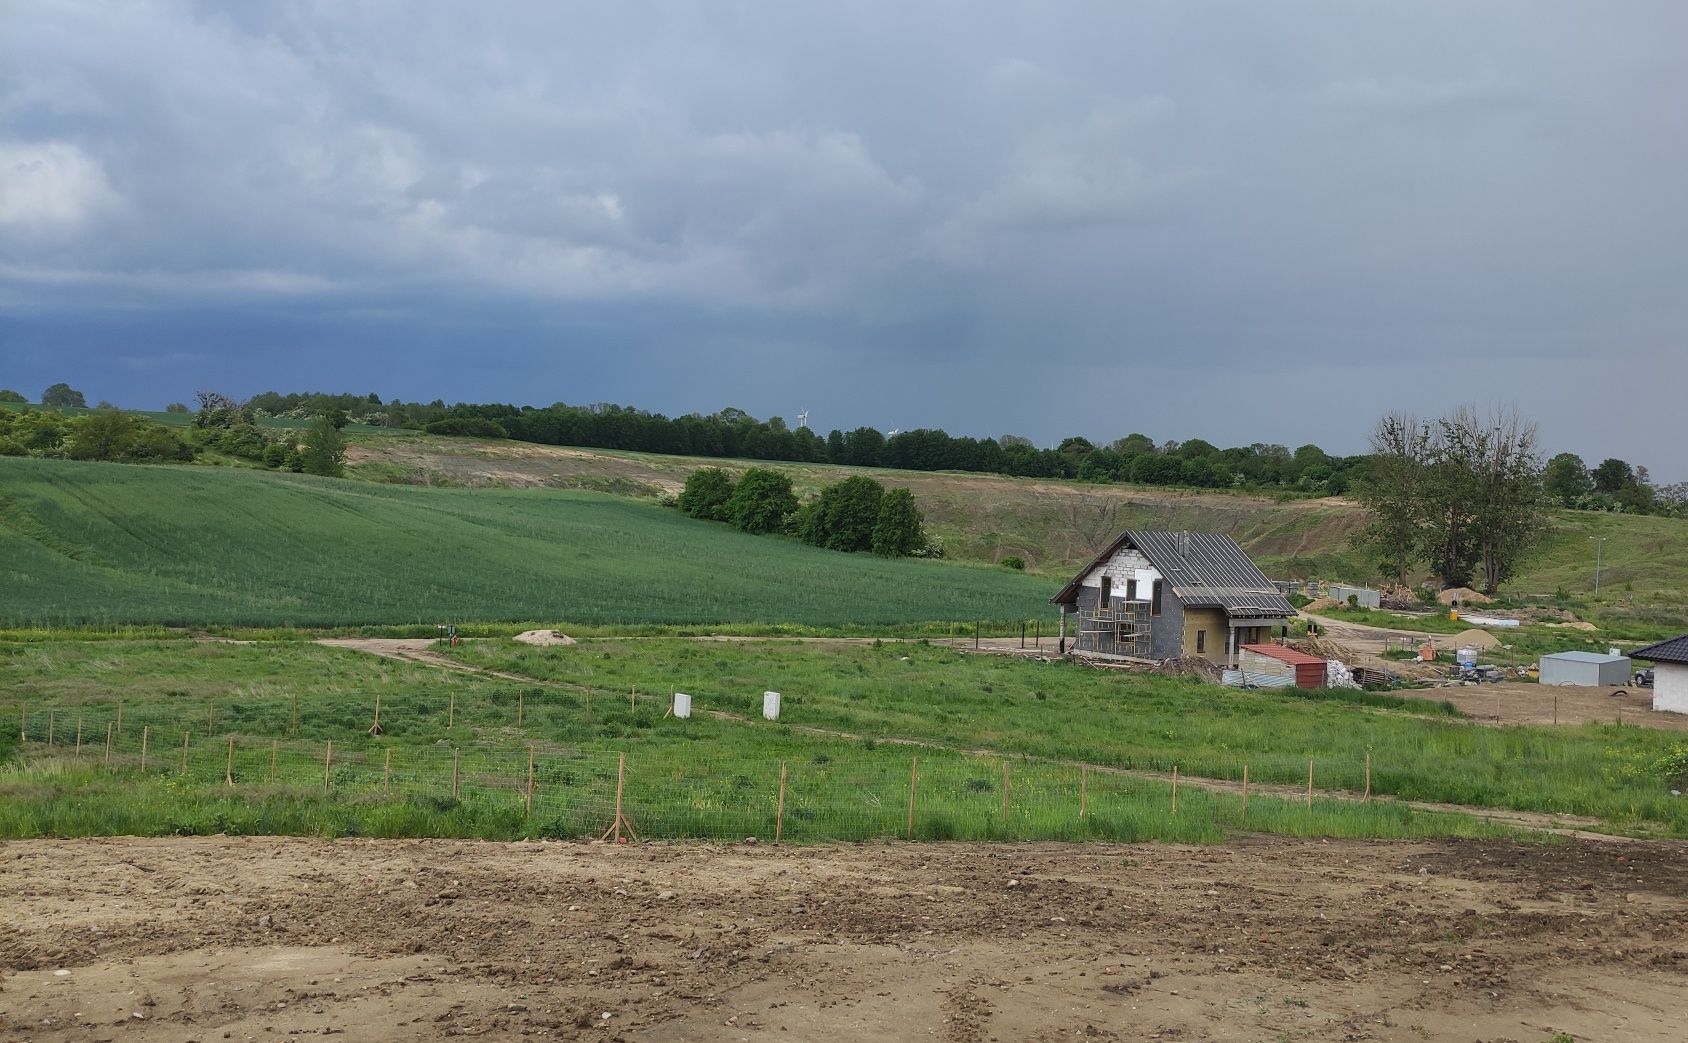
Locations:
column 1643, row 678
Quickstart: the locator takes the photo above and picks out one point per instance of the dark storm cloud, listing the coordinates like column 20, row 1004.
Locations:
column 1244, row 222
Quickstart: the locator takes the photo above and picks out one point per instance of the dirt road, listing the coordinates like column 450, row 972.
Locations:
column 217, row 938
column 1521, row 702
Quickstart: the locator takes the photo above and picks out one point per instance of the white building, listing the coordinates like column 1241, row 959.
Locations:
column 1670, row 673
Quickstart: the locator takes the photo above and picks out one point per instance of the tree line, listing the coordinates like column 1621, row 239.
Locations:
column 733, row 433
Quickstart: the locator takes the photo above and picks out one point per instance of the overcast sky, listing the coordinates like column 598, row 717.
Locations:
column 1242, row 222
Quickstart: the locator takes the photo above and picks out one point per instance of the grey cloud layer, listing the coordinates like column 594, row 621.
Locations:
column 1298, row 195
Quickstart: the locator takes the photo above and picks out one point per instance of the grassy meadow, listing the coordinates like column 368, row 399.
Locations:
column 264, row 715
column 104, row 544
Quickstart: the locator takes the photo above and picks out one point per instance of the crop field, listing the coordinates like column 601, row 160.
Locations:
column 155, row 737
column 101, row 544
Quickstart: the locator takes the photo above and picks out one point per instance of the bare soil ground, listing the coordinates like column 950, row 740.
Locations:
column 1521, row 702
column 216, row 938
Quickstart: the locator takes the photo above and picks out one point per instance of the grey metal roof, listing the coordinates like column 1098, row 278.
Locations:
column 1673, row 651
column 1214, row 573
column 1584, row 657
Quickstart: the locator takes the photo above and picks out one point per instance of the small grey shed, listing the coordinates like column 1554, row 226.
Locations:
column 1587, row 669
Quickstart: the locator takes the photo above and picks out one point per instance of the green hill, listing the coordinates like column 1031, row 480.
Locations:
column 1058, row 525
column 105, row 543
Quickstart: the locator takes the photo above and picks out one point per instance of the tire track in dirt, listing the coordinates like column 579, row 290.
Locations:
column 1586, row 827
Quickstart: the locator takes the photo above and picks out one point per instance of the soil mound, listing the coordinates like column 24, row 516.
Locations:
column 1191, row 666
column 1319, row 605
column 1476, row 638
column 1465, row 596
column 544, row 637
column 1575, row 624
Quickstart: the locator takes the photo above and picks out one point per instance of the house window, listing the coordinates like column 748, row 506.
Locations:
column 1155, row 598
column 1131, row 589
column 1201, row 641
column 1107, row 590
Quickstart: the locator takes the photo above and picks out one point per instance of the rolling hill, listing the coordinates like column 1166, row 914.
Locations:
column 1058, row 525
column 88, row 543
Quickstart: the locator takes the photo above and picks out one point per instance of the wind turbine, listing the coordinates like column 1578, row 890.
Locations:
column 803, row 418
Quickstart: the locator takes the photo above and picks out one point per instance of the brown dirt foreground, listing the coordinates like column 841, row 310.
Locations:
column 266, row 938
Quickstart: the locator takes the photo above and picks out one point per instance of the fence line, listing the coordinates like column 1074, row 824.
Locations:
column 681, row 792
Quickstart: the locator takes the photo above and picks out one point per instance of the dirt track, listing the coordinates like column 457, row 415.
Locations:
column 243, row 938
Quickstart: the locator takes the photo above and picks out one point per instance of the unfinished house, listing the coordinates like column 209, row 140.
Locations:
column 1168, row 595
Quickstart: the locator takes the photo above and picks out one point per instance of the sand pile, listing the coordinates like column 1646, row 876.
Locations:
column 1465, row 596
column 1575, row 624
column 1476, row 639
column 544, row 637
column 1319, row 605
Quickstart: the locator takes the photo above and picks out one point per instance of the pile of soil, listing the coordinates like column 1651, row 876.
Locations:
column 1476, row 638
column 544, row 637
column 1465, row 596
column 1320, row 605
column 1325, row 648
column 1576, row 624
column 1191, row 666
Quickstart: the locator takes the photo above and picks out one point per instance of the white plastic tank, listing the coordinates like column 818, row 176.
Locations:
column 682, row 704
column 1467, row 656
column 771, row 705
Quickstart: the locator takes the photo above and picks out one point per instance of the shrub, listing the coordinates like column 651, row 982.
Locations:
column 1015, row 562
column 706, row 495
column 899, row 530
column 8, row 395
column 761, row 501
column 845, row 515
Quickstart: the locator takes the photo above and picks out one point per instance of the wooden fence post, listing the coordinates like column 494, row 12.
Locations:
column 273, row 745
column 327, row 765
column 108, row 745
column 456, row 755
column 185, row 735
column 1083, row 787
column 1005, row 786
column 228, row 765
column 1556, row 709
column 375, row 729
column 1245, row 792
column 144, row 730
column 79, row 735
column 120, row 716
column 521, row 707
column 913, row 788
column 530, row 783
column 451, row 711
column 975, row 633
column 1037, row 634
column 779, row 808
column 387, row 774
column 210, row 717
column 1175, row 789
column 1309, row 782
column 1368, row 775
column 50, row 712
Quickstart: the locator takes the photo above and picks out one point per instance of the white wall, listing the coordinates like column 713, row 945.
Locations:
column 1670, row 687
column 1128, row 563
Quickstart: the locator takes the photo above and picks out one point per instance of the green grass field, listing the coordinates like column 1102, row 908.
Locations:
column 100, row 544
column 195, row 715
column 712, row 777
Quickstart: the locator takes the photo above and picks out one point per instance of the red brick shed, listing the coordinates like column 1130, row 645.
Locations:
column 1308, row 670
